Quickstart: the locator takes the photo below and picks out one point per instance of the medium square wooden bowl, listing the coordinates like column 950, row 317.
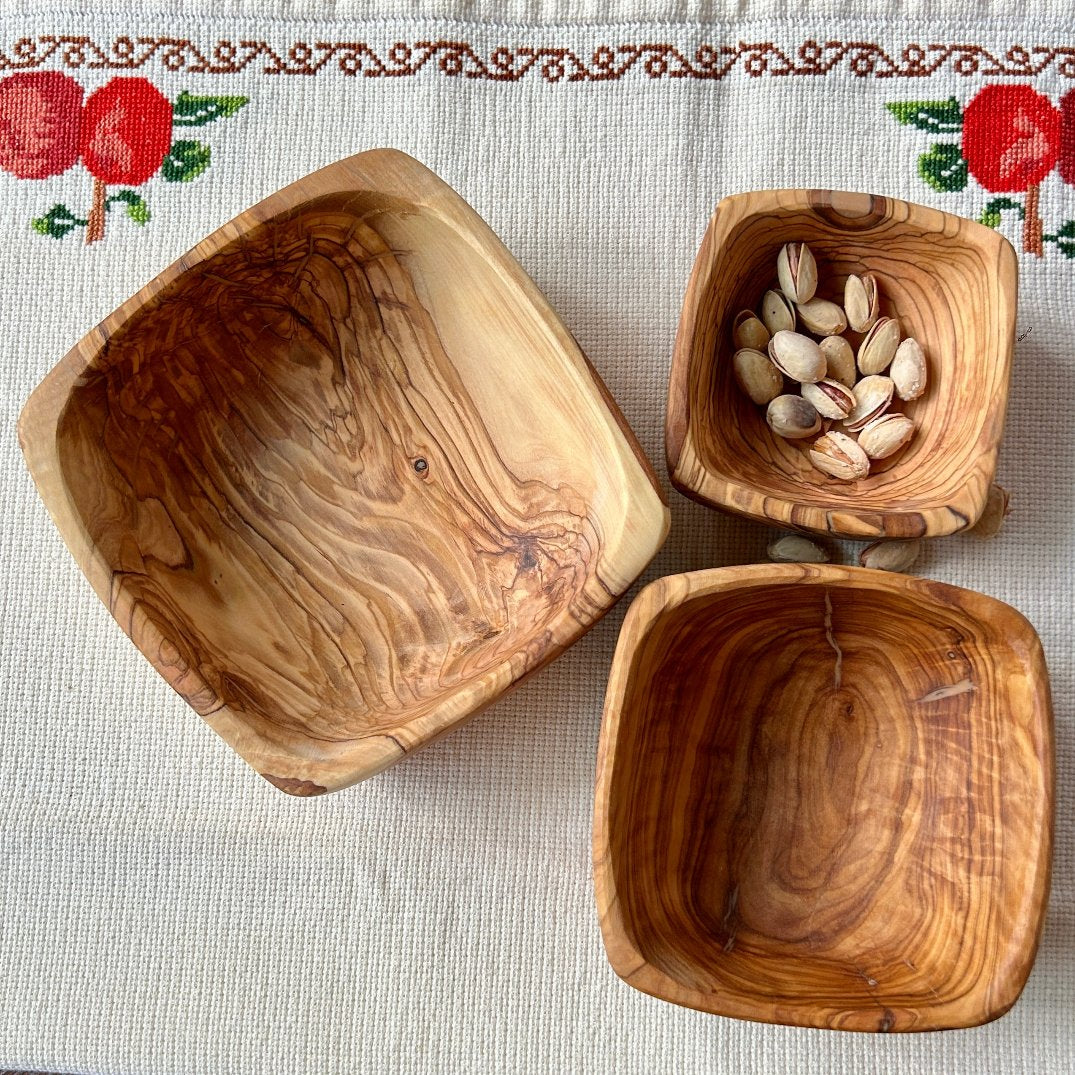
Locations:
column 342, row 474
column 951, row 283
column 825, row 798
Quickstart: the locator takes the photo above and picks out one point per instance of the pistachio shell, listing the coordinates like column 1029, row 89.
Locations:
column 839, row 360
column 873, row 395
column 831, row 398
column 796, row 271
column 797, row 356
column 821, row 316
column 792, row 417
column 996, row 510
column 748, row 331
column 885, row 435
column 777, row 312
column 756, row 375
column 897, row 555
column 908, row 370
column 879, row 346
column 837, row 454
column 796, row 549
column 861, row 302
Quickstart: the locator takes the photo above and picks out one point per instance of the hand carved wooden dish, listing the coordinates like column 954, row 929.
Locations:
column 342, row 474
column 825, row 798
column 951, row 283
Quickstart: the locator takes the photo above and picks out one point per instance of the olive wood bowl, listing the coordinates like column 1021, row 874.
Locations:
column 952, row 284
column 342, row 474
column 825, row 798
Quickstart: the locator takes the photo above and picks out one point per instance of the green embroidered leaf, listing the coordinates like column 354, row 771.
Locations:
column 137, row 209
column 186, row 160
column 189, row 111
column 943, row 168
column 937, row 117
column 57, row 222
column 991, row 213
column 1065, row 239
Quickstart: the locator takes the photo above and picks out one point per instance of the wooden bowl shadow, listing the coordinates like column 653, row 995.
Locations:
column 952, row 285
column 342, row 474
column 825, row 798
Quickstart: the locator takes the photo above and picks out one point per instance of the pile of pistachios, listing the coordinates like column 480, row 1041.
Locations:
column 831, row 380
column 889, row 554
column 898, row 554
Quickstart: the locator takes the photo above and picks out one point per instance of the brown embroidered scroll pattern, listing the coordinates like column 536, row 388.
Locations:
column 606, row 63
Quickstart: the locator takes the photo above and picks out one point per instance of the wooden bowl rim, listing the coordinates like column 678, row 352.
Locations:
column 694, row 479
column 672, row 591
column 381, row 170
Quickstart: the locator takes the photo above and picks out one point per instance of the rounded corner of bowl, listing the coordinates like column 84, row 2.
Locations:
column 623, row 955
column 301, row 778
column 652, row 598
column 294, row 786
column 962, row 511
column 732, row 201
column 1008, row 258
column 675, row 444
column 33, row 428
column 660, row 531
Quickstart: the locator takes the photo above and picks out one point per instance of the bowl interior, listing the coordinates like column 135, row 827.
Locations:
column 939, row 277
column 822, row 810
column 344, row 472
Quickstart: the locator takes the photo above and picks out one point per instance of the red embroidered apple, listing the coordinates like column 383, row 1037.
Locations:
column 126, row 131
column 1011, row 142
column 40, row 123
column 1011, row 137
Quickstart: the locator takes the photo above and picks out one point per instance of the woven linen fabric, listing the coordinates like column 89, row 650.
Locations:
column 167, row 912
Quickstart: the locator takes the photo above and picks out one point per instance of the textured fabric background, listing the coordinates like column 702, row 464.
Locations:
column 166, row 911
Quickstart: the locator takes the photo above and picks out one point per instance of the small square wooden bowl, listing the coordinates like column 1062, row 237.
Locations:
column 951, row 283
column 342, row 474
column 825, row 798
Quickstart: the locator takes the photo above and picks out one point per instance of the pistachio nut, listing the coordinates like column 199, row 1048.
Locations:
column 792, row 417
column 994, row 513
column 872, row 398
column 748, row 331
column 839, row 360
column 777, row 312
column 885, row 435
column 879, row 346
column 908, row 370
column 822, row 317
column 756, row 375
column 837, row 454
column 796, row 549
column 829, row 397
column 861, row 302
column 897, row 555
column 797, row 356
column 796, row 271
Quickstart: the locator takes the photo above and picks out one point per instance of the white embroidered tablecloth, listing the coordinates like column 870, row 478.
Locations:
column 166, row 911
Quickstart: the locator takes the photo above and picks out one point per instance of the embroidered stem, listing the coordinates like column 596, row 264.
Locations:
column 1032, row 223
column 95, row 227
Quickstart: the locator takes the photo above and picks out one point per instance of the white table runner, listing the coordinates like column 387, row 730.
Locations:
column 166, row 911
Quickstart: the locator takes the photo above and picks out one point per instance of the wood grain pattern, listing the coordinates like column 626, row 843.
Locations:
column 952, row 284
column 342, row 475
column 825, row 798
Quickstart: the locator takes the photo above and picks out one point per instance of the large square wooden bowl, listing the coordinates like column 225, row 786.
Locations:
column 951, row 283
column 825, row 798
column 342, row 474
